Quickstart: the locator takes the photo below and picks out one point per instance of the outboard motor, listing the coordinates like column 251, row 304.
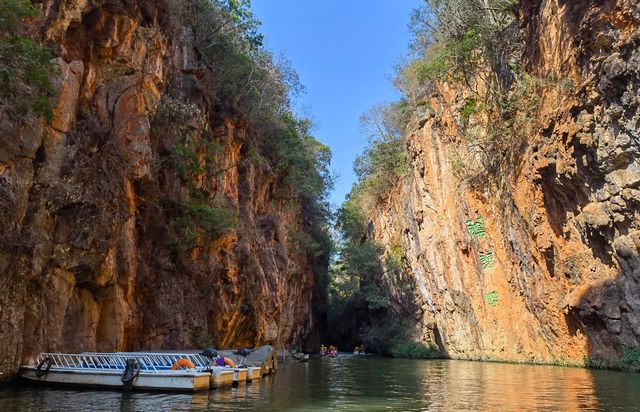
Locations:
column 244, row 352
column 210, row 354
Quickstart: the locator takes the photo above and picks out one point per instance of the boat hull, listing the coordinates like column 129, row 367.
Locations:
column 156, row 381
column 253, row 373
column 221, row 377
column 240, row 376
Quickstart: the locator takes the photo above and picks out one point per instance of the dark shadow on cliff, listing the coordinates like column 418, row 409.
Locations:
column 607, row 313
column 391, row 329
column 574, row 11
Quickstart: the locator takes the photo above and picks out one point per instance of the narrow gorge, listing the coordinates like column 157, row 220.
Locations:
column 158, row 190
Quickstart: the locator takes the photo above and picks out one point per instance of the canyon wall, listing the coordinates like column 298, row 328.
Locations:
column 541, row 261
column 88, row 254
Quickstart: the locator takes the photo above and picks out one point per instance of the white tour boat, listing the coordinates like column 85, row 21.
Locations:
column 179, row 371
column 219, row 376
column 112, row 370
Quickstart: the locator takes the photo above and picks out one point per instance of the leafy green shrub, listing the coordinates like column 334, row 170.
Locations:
column 459, row 58
column 525, row 98
column 178, row 120
column 302, row 165
column 197, row 222
column 383, row 334
column 415, row 350
column 383, row 160
column 470, row 107
column 357, row 275
column 25, row 65
column 367, row 286
column 630, row 358
column 374, row 297
column 213, row 221
column 351, row 220
column 595, row 363
column 301, row 159
column 392, row 337
column 353, row 289
column 455, row 37
column 12, row 12
column 363, row 259
column 194, row 158
column 183, row 125
column 243, row 78
column 393, row 261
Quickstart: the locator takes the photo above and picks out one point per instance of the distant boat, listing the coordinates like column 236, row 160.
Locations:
column 300, row 357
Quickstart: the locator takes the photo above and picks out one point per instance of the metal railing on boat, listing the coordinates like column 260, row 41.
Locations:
column 98, row 361
column 161, row 360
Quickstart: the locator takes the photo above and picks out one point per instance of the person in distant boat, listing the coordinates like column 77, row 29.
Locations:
column 323, row 350
column 216, row 360
column 333, row 351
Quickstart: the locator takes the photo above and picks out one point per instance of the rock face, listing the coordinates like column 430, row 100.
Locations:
column 86, row 257
column 559, row 233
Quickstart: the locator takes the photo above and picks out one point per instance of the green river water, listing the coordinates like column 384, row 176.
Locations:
column 369, row 383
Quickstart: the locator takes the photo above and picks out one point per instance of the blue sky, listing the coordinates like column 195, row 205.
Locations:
column 344, row 52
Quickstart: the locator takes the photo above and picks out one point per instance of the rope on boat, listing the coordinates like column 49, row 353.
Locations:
column 131, row 371
column 39, row 372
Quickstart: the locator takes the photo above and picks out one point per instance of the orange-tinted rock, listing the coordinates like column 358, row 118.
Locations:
column 69, row 83
column 88, row 254
column 561, row 225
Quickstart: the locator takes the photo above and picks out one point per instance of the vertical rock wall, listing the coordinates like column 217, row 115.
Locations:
column 85, row 252
column 561, row 229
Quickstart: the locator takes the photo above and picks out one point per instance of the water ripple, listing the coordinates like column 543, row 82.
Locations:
column 351, row 383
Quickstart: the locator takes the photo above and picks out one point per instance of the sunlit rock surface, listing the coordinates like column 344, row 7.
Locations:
column 85, row 257
column 559, row 234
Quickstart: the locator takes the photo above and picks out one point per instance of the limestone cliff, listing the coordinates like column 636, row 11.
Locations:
column 88, row 254
column 540, row 262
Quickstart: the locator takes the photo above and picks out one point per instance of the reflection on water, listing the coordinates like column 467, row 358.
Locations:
column 370, row 384
column 487, row 386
